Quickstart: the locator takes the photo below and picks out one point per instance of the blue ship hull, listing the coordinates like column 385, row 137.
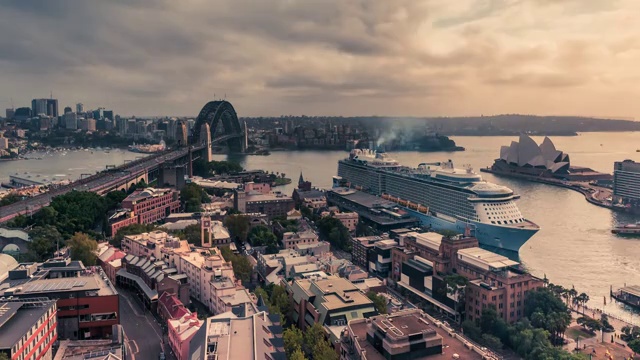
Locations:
column 495, row 237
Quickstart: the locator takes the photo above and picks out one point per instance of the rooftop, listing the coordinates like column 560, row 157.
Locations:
column 16, row 318
column 140, row 195
column 257, row 197
column 411, row 322
column 485, row 259
column 186, row 326
column 89, row 280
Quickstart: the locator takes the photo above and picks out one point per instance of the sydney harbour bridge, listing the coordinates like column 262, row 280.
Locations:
column 217, row 124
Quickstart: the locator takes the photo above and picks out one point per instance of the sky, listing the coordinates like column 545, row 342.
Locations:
column 325, row 57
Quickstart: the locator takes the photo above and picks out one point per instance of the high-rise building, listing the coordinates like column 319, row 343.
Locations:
column 108, row 114
column 98, row 114
column 52, row 107
column 9, row 113
column 38, row 106
column 626, row 183
column 67, row 109
column 23, row 113
column 79, row 108
column 70, row 121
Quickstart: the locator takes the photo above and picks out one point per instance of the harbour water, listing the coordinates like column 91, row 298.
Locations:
column 574, row 246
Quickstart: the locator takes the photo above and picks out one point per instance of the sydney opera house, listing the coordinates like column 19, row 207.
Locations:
column 526, row 157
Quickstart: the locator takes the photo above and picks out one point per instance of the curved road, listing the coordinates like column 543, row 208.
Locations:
column 98, row 182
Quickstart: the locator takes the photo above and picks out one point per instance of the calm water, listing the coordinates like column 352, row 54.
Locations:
column 573, row 247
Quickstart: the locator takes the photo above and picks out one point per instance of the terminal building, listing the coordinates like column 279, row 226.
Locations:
column 87, row 302
column 626, row 183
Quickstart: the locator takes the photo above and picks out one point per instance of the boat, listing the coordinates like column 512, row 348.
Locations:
column 628, row 295
column 627, row 229
column 443, row 197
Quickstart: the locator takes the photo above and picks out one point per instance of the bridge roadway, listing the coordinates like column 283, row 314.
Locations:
column 100, row 182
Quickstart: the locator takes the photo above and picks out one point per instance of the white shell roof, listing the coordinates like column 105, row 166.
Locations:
column 526, row 152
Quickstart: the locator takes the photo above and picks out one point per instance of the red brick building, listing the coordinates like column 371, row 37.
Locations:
column 146, row 206
column 87, row 302
column 27, row 328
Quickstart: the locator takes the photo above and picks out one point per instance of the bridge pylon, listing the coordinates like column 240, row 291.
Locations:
column 205, row 139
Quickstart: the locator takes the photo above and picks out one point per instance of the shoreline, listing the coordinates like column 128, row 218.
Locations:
column 575, row 186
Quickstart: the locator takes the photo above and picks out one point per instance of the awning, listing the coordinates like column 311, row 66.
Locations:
column 151, row 294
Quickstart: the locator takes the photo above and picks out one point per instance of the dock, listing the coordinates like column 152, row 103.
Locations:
column 628, row 295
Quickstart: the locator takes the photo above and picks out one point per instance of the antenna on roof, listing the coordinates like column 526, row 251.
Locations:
column 51, row 94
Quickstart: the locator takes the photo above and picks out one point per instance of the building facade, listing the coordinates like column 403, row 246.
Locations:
column 28, row 328
column 626, row 183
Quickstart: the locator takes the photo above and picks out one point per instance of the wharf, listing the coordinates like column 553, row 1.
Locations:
column 595, row 195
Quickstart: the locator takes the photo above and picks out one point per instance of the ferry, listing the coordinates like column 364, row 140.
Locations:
column 627, row 229
column 443, row 197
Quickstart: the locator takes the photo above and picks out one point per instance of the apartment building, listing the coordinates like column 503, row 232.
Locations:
column 28, row 328
column 146, row 206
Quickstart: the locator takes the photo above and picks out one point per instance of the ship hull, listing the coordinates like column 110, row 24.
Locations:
column 507, row 239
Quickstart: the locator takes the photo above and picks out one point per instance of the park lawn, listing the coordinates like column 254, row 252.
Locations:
column 575, row 331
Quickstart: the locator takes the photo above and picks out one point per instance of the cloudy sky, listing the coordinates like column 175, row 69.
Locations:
column 326, row 57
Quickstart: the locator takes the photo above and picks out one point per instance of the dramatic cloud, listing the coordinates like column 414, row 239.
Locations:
column 334, row 57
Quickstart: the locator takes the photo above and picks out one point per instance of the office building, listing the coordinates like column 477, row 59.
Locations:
column 332, row 302
column 27, row 328
column 70, row 121
column 626, row 183
column 273, row 204
column 87, row 302
column 108, row 114
column 253, row 336
column 112, row 348
column 291, row 239
column 273, row 268
column 23, row 114
column 67, row 109
column 408, row 334
column 38, row 106
column 362, row 247
column 145, row 206
column 79, row 108
column 425, row 258
column 9, row 113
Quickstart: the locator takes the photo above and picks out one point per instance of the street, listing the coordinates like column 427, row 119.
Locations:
column 144, row 335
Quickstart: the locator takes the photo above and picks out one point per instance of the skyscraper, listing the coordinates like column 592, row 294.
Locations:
column 52, row 107
column 79, row 108
column 67, row 109
column 38, row 106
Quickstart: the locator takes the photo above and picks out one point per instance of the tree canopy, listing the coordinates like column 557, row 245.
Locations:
column 133, row 229
column 379, row 301
column 333, row 231
column 44, row 241
column 263, row 236
column 204, row 169
column 83, row 248
column 242, row 268
column 192, row 197
column 238, row 226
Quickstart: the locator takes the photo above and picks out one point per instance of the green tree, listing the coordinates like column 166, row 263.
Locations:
column 263, row 236
column 312, row 336
column 634, row 345
column 455, row 286
column 379, row 301
column 192, row 197
column 280, row 302
column 79, row 211
column 242, row 268
column 10, row 199
column 238, row 226
column 471, row 330
column 44, row 241
column 45, row 216
column 296, row 355
column 192, row 234
column 293, row 339
column 4, row 356
column 114, row 198
column 492, row 342
column 133, row 229
column 333, row 231
column 322, row 350
column 83, row 248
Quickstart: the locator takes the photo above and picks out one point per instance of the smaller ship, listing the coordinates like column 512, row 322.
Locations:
column 627, row 229
column 148, row 149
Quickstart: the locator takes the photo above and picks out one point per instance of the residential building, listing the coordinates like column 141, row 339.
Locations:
column 170, row 307
column 361, row 247
column 314, row 249
column 87, row 302
column 407, row 334
column 348, row 219
column 332, row 302
column 273, row 268
column 253, row 336
column 109, row 259
column 273, row 205
column 420, row 267
column 152, row 243
column 147, row 206
column 291, row 239
column 180, row 332
column 626, row 183
column 28, row 328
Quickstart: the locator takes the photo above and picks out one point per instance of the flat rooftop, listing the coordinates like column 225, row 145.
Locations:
column 450, row 345
column 16, row 319
column 485, row 259
column 367, row 201
column 85, row 282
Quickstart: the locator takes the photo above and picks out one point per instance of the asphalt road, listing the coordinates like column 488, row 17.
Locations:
column 144, row 335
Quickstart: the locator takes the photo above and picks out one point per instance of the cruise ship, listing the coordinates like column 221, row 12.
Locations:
column 443, row 197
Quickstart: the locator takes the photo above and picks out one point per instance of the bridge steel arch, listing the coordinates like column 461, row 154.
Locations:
column 215, row 113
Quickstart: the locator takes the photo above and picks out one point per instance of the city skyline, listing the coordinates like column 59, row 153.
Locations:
column 401, row 58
